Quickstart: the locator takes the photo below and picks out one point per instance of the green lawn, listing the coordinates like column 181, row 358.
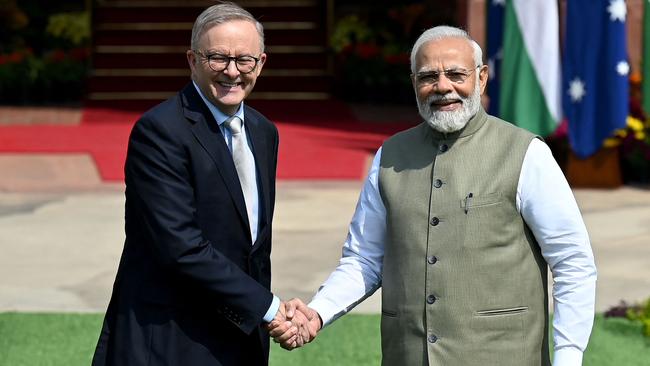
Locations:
column 69, row 339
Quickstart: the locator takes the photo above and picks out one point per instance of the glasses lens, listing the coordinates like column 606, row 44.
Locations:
column 217, row 63
column 426, row 78
column 456, row 76
column 245, row 64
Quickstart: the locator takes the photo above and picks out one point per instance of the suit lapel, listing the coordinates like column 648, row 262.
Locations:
column 207, row 132
column 259, row 146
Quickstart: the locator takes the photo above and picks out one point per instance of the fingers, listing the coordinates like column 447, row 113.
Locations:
column 301, row 322
column 289, row 342
column 314, row 326
column 314, row 316
column 290, row 308
column 286, row 333
column 277, row 328
column 290, row 346
column 295, row 324
column 296, row 303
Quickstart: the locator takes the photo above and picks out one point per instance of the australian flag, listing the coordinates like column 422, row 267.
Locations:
column 495, row 10
column 595, row 80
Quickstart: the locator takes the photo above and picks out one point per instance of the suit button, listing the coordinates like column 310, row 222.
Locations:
column 434, row 221
column 443, row 147
column 432, row 259
column 431, row 299
column 432, row 338
column 437, row 183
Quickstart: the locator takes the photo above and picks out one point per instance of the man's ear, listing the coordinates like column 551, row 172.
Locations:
column 483, row 75
column 191, row 60
column 260, row 63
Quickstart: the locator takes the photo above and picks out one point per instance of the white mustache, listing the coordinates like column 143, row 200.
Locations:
column 444, row 98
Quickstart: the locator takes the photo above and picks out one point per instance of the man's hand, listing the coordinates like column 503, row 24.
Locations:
column 300, row 326
column 288, row 332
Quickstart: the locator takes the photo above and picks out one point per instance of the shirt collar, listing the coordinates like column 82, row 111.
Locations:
column 218, row 115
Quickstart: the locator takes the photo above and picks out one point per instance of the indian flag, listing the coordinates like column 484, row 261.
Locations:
column 530, row 94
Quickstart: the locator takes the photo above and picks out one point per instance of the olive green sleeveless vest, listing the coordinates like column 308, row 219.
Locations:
column 464, row 282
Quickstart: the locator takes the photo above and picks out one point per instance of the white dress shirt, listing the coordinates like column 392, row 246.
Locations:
column 221, row 117
column 546, row 203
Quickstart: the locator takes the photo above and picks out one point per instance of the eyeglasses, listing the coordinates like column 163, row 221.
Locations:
column 219, row 62
column 457, row 76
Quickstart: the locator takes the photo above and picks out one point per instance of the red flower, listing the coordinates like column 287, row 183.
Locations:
column 79, row 53
column 367, row 50
column 57, row 55
column 348, row 49
column 16, row 57
column 399, row 59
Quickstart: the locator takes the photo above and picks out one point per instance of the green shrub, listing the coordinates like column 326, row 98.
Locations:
column 641, row 313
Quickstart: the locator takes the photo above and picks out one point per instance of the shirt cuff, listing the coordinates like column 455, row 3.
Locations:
column 273, row 309
column 325, row 309
column 567, row 356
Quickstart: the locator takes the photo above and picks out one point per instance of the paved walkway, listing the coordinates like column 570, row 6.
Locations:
column 60, row 246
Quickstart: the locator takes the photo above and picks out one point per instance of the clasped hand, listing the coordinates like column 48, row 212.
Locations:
column 294, row 325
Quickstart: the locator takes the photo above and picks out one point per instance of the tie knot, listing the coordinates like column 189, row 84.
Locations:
column 234, row 124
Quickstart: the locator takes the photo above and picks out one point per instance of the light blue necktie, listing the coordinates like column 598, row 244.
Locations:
column 244, row 161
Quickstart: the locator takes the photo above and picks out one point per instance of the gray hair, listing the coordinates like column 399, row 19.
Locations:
column 219, row 14
column 445, row 31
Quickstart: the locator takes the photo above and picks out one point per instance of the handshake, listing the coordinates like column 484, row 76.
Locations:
column 295, row 324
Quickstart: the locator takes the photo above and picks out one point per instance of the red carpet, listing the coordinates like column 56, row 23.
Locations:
column 317, row 140
column 105, row 142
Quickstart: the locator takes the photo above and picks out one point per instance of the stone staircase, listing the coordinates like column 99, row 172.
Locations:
column 139, row 50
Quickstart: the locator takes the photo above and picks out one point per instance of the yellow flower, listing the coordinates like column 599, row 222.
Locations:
column 621, row 133
column 639, row 135
column 635, row 124
column 611, row 142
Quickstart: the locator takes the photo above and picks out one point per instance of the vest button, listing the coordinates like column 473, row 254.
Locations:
column 431, row 299
column 443, row 147
column 432, row 338
column 437, row 183
column 434, row 221
column 432, row 259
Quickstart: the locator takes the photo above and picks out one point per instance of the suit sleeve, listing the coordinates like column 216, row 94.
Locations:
column 158, row 179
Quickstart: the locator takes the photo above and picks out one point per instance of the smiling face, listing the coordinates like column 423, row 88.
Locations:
column 228, row 88
column 445, row 104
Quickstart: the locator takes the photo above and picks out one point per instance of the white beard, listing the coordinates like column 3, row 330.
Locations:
column 450, row 121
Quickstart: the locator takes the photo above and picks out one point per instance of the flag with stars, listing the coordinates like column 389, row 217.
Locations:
column 531, row 77
column 494, row 11
column 595, row 85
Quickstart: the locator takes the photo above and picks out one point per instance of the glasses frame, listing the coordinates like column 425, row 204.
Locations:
column 438, row 73
column 230, row 59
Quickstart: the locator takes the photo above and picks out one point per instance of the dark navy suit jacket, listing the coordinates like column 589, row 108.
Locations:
column 190, row 287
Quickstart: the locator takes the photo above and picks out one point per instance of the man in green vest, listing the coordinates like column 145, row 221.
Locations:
column 458, row 221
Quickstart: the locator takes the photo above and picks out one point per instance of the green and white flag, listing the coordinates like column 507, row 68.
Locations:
column 530, row 94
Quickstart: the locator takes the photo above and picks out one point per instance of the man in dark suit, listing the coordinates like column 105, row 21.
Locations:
column 192, row 286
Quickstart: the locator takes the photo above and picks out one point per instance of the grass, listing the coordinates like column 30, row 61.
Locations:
column 28, row 339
